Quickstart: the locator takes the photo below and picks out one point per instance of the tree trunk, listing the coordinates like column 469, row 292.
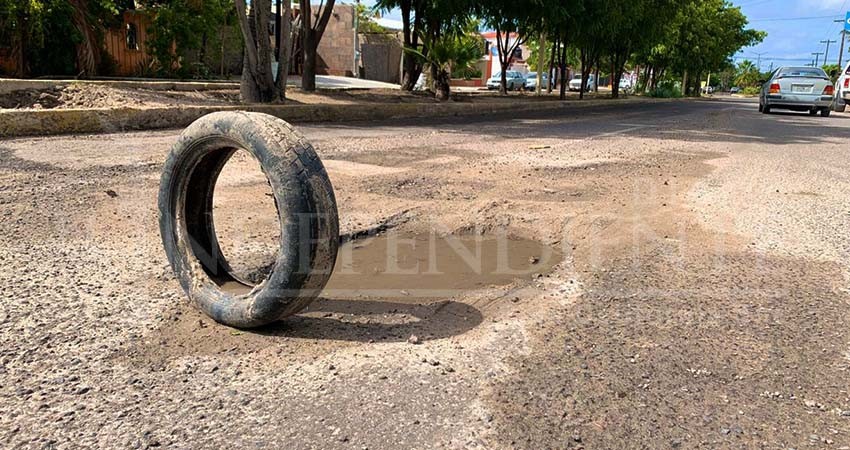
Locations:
column 312, row 30
column 685, row 83
column 562, row 65
column 596, row 77
column 506, row 50
column 278, row 17
column 411, row 65
column 308, row 72
column 585, row 72
column 541, row 54
column 87, row 50
column 257, row 84
column 285, row 49
column 553, row 73
column 442, row 88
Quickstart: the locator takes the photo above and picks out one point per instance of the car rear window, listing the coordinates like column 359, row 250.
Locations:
column 805, row 72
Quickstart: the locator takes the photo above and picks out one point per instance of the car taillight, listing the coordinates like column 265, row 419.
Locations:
column 847, row 83
column 829, row 90
column 774, row 88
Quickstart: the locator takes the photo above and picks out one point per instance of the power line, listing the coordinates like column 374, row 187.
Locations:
column 779, row 19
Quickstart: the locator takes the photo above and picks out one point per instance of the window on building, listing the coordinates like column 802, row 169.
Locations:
column 132, row 37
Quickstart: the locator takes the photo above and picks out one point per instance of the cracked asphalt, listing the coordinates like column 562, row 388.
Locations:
column 697, row 297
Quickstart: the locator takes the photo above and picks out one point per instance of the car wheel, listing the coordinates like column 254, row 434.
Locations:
column 765, row 109
column 813, row 112
column 761, row 106
column 839, row 107
column 825, row 112
column 309, row 230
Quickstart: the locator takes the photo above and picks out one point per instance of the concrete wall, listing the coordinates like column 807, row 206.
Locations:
column 336, row 49
column 380, row 57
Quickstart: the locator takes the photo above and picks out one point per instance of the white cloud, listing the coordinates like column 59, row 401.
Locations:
column 824, row 5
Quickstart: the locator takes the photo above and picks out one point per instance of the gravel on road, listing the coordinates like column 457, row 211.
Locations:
column 685, row 285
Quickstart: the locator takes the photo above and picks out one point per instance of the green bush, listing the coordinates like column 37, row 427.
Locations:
column 666, row 89
column 750, row 91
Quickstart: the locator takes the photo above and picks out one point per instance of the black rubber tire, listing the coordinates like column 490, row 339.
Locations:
column 765, row 109
column 839, row 107
column 825, row 112
column 306, row 207
column 813, row 112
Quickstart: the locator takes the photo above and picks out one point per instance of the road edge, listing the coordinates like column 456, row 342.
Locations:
column 16, row 123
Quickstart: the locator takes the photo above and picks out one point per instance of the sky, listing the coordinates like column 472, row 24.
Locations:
column 794, row 29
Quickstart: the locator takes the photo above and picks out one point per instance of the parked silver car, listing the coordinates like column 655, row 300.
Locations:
column 514, row 80
column 842, row 90
column 531, row 81
column 798, row 89
column 575, row 83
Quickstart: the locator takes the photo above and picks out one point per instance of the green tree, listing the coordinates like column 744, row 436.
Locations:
column 454, row 49
column 56, row 37
column 706, row 35
column 365, row 24
column 748, row 74
column 514, row 22
column 179, row 26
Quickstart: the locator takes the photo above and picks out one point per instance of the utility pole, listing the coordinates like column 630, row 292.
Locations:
column 758, row 63
column 817, row 58
column 843, row 35
column 826, row 54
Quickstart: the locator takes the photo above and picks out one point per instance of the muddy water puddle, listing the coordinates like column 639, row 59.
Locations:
column 399, row 266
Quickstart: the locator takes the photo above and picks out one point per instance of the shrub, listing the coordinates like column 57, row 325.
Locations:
column 750, row 91
column 666, row 89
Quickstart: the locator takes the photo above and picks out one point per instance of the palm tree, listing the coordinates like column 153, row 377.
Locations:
column 88, row 49
column 748, row 74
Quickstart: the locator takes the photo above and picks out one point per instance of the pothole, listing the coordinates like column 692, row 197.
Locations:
column 401, row 266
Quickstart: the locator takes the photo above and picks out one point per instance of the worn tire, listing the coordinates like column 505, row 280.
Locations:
column 306, row 208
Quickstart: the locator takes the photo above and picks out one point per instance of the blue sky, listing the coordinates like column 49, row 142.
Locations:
column 794, row 29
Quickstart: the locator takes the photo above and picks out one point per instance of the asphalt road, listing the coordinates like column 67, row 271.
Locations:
column 687, row 288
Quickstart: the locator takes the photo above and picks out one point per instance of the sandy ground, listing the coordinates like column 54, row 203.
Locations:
column 682, row 283
column 105, row 96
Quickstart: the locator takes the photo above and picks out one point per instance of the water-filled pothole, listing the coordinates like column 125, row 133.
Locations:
column 399, row 265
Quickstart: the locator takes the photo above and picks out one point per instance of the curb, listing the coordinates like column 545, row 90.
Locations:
column 8, row 85
column 110, row 120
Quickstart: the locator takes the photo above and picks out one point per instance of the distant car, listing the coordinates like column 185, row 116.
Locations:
column 514, row 80
column 626, row 85
column 575, row 83
column 798, row 89
column 842, row 90
column 531, row 81
column 734, row 90
column 708, row 90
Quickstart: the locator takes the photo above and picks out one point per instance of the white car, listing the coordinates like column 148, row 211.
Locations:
column 513, row 79
column 531, row 81
column 575, row 83
column 842, row 90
